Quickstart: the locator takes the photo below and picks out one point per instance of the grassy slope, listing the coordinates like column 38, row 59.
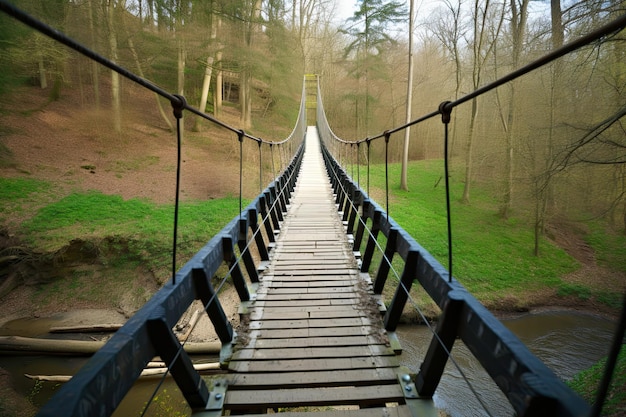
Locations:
column 586, row 384
column 493, row 257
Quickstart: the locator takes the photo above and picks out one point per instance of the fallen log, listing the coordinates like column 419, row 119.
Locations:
column 18, row 345
column 145, row 373
column 96, row 328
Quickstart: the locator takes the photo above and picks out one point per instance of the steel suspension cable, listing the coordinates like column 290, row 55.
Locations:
column 273, row 166
column 387, row 135
column 445, row 118
column 178, row 106
column 260, row 169
column 368, row 166
column 240, row 137
column 358, row 165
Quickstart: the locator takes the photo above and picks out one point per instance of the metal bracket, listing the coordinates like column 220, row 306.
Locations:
column 419, row 406
column 408, row 386
column 227, row 352
column 215, row 405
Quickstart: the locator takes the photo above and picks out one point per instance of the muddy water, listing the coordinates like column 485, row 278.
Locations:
column 567, row 342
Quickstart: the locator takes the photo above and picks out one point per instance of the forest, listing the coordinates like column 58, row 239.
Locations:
column 548, row 148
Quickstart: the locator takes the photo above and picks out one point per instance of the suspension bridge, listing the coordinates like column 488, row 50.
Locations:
column 316, row 337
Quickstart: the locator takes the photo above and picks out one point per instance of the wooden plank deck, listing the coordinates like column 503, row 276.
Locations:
column 314, row 339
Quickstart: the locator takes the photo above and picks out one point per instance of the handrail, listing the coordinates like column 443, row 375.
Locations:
column 100, row 385
column 530, row 386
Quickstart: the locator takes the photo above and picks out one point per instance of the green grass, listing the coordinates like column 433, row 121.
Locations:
column 610, row 247
column 94, row 213
column 491, row 256
column 586, row 382
column 135, row 230
column 13, row 189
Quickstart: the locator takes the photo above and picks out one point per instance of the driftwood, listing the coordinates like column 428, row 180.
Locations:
column 145, row 373
column 86, row 329
column 192, row 323
column 17, row 345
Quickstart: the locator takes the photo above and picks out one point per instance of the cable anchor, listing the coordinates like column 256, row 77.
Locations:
column 445, row 109
column 178, row 106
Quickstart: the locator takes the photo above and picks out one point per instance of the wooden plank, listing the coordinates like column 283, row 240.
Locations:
column 317, row 332
column 320, row 271
column 339, row 312
column 312, row 353
column 311, row 283
column 296, row 308
column 304, row 303
column 355, row 377
column 306, row 365
column 305, row 297
column 314, row 397
column 309, row 323
column 307, row 278
column 312, row 290
column 295, row 342
column 327, row 260
column 399, row 411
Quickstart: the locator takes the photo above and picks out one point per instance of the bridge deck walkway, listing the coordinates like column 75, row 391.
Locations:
column 314, row 336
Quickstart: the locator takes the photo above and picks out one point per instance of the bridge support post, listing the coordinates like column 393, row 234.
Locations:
column 283, row 198
column 371, row 241
column 242, row 242
column 214, row 309
column 264, row 202
column 392, row 317
column 277, row 206
column 258, row 237
column 441, row 344
column 357, row 201
column 170, row 350
column 360, row 229
column 239, row 281
column 385, row 262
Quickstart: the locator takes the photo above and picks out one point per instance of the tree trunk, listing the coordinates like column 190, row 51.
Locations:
column 33, row 346
column 95, row 67
column 208, row 72
column 409, row 102
column 219, row 86
column 115, row 78
column 468, row 156
column 133, row 51
column 206, row 84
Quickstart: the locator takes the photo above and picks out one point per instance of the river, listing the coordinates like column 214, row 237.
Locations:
column 567, row 342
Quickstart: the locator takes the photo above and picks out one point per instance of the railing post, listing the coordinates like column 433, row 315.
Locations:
column 441, row 344
column 385, row 262
column 258, row 236
column 371, row 241
column 277, row 203
column 264, row 201
column 180, row 366
column 228, row 247
column 360, row 230
column 242, row 243
column 347, row 203
column 392, row 317
column 356, row 203
column 212, row 305
column 281, row 193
